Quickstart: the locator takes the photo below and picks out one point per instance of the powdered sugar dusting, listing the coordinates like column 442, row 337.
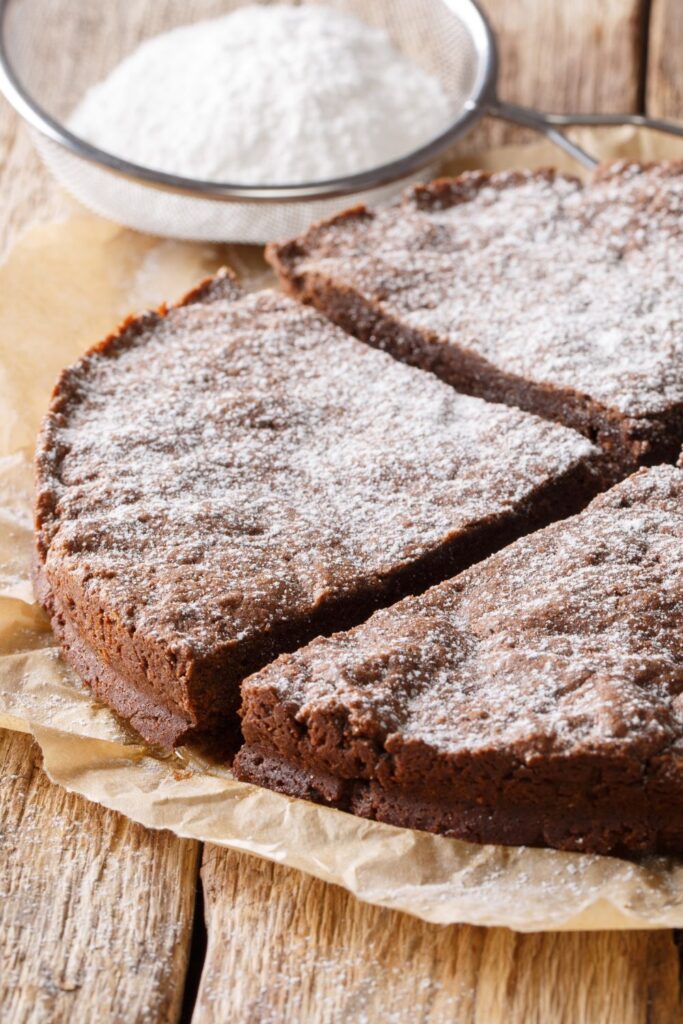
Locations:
column 570, row 639
column 564, row 285
column 222, row 468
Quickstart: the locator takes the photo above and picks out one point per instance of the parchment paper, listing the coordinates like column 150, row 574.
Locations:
column 64, row 286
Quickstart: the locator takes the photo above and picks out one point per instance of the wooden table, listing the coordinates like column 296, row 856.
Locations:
column 103, row 921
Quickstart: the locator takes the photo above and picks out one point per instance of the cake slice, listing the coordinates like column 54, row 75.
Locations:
column 526, row 288
column 535, row 699
column 225, row 480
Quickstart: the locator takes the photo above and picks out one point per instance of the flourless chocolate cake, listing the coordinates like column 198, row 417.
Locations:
column 535, row 699
column 522, row 287
column 223, row 481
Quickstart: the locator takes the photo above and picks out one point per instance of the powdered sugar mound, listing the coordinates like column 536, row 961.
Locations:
column 229, row 466
column 265, row 94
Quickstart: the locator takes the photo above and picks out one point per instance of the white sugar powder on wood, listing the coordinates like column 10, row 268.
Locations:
column 264, row 95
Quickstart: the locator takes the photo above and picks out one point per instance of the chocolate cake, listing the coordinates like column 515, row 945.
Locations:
column 225, row 480
column 523, row 287
column 536, row 699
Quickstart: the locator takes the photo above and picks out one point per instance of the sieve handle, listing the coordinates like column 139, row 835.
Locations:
column 550, row 125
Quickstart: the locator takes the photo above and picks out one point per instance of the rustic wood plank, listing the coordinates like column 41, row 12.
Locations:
column 664, row 93
column 578, row 56
column 283, row 947
column 95, row 911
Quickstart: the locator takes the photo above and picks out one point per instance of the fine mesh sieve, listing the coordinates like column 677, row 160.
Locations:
column 449, row 38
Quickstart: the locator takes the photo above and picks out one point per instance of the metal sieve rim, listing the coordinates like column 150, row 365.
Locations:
column 481, row 95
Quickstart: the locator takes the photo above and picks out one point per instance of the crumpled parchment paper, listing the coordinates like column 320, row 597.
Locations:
column 64, row 286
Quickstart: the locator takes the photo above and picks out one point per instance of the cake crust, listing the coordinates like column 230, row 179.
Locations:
column 535, row 699
column 224, row 480
column 522, row 287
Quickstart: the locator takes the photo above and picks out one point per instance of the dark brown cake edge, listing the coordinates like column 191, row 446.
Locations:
column 629, row 442
column 135, row 702
column 500, row 823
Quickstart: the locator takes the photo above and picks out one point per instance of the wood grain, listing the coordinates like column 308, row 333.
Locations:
column 95, row 912
column 578, row 56
column 284, row 948
column 664, row 91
